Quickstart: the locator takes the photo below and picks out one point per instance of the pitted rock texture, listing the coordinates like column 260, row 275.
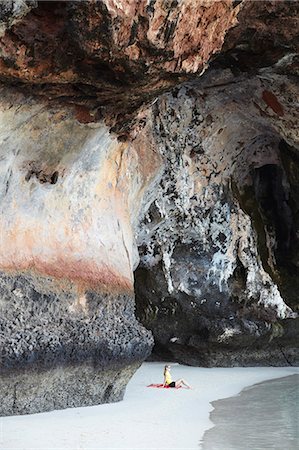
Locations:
column 48, row 325
column 31, row 392
column 220, row 241
column 64, row 348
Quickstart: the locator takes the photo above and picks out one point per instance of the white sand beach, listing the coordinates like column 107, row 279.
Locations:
column 147, row 418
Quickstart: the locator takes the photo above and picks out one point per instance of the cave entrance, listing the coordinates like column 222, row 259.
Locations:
column 276, row 190
column 272, row 196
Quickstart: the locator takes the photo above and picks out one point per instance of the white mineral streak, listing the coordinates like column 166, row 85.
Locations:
column 209, row 138
column 166, row 255
column 259, row 285
column 223, row 261
column 228, row 333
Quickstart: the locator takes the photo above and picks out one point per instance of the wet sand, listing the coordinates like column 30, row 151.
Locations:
column 263, row 416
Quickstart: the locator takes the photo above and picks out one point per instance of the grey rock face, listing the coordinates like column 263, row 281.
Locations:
column 33, row 391
column 211, row 276
column 13, row 10
column 59, row 349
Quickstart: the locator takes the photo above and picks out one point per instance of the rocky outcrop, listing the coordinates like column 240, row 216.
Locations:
column 219, row 244
column 62, row 348
column 105, row 177
column 110, row 57
column 70, row 196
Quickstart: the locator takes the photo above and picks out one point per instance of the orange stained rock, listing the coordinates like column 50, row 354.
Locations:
column 271, row 100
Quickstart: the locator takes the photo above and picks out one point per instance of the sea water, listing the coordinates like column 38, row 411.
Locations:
column 264, row 416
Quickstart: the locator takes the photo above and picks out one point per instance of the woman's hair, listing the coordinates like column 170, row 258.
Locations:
column 166, row 368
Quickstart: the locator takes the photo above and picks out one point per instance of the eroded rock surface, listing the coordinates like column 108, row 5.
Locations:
column 62, row 348
column 102, row 175
column 70, row 196
column 111, row 56
column 219, row 244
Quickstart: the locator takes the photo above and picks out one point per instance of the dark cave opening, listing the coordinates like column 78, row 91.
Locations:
column 273, row 201
column 276, row 215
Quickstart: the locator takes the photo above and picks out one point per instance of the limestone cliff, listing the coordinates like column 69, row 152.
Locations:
column 219, row 245
column 70, row 194
column 146, row 148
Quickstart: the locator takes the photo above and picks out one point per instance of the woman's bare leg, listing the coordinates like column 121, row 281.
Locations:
column 182, row 382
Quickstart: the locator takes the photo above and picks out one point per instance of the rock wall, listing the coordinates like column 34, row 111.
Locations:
column 219, row 244
column 110, row 56
column 70, row 195
column 105, row 178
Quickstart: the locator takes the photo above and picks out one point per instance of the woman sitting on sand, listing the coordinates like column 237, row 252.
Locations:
column 173, row 384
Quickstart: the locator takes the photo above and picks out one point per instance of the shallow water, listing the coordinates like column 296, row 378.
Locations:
column 264, row 416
